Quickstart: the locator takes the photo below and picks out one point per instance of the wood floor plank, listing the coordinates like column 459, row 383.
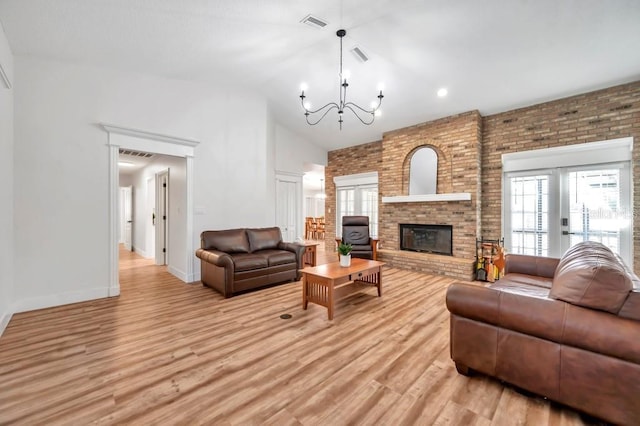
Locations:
column 166, row 352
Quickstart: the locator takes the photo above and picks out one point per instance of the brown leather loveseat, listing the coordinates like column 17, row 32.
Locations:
column 567, row 329
column 237, row 260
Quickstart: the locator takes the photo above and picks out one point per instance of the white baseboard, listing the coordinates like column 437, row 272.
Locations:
column 141, row 253
column 196, row 277
column 181, row 275
column 49, row 301
column 5, row 317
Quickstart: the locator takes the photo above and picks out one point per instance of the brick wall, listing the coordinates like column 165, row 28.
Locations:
column 605, row 114
column 456, row 139
column 348, row 161
column 471, row 147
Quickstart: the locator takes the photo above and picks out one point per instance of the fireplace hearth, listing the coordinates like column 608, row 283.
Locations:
column 436, row 239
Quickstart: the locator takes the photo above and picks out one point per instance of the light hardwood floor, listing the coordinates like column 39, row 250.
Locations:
column 165, row 352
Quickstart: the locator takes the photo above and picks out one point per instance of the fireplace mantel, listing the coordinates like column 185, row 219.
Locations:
column 425, row 198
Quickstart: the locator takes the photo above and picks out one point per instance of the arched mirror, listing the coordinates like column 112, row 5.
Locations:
column 423, row 172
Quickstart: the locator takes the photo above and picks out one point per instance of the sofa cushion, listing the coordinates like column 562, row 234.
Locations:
column 249, row 261
column 590, row 275
column 515, row 279
column 230, row 241
column 278, row 257
column 264, row 238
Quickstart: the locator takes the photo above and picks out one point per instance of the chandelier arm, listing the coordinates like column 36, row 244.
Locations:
column 368, row 111
column 332, row 106
column 367, row 123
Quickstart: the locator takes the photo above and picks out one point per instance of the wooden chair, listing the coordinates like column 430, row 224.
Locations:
column 308, row 228
column 320, row 228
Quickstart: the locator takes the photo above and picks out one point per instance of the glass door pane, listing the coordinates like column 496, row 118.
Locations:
column 529, row 215
column 346, row 205
column 596, row 212
column 369, row 207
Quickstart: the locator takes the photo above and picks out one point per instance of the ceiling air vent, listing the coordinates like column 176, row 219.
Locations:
column 359, row 54
column 314, row 21
column 135, row 153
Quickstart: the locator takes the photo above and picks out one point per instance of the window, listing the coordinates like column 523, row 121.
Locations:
column 357, row 195
column 581, row 198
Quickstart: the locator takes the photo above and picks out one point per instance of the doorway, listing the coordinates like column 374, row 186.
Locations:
column 144, row 141
column 126, row 222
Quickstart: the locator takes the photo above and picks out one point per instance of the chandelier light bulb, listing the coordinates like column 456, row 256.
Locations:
column 380, row 87
column 378, row 113
column 442, row 92
column 304, row 87
column 366, row 116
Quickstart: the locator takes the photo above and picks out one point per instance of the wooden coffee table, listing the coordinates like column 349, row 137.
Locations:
column 326, row 284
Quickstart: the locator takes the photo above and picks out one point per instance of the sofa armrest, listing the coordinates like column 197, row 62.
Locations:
column 531, row 265
column 298, row 249
column 215, row 257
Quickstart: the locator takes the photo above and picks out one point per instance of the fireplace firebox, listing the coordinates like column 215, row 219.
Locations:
column 437, row 239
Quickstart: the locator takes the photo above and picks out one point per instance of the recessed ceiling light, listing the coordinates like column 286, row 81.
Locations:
column 442, row 92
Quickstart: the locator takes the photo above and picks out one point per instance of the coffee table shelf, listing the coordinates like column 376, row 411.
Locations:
column 326, row 284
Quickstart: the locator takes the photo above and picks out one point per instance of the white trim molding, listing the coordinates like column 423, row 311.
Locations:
column 5, row 78
column 369, row 178
column 124, row 137
column 426, row 198
column 142, row 134
column 5, row 317
column 581, row 154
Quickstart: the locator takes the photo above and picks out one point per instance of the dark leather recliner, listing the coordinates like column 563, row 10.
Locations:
column 355, row 231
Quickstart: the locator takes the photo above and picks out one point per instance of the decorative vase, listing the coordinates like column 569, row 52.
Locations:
column 345, row 260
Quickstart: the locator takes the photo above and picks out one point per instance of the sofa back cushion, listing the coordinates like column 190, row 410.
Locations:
column 229, row 241
column 590, row 275
column 264, row 238
column 355, row 230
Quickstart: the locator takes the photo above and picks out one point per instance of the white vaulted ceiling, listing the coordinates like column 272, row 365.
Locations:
column 491, row 55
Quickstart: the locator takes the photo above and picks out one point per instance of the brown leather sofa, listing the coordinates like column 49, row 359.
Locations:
column 237, row 260
column 567, row 329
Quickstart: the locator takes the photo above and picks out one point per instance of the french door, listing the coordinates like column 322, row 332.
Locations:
column 359, row 200
column 548, row 211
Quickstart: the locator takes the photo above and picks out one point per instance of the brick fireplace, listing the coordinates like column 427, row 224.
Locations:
column 456, row 139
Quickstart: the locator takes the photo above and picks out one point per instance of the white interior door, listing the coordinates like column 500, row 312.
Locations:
column 150, row 218
column 289, row 206
column 162, row 217
column 127, row 208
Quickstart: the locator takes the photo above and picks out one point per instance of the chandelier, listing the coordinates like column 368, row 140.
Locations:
column 368, row 115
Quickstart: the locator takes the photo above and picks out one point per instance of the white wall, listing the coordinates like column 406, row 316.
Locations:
column 61, row 167
column 6, row 188
column 292, row 151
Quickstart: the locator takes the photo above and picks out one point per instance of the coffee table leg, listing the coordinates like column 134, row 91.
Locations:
column 304, row 291
column 330, row 307
column 379, row 280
